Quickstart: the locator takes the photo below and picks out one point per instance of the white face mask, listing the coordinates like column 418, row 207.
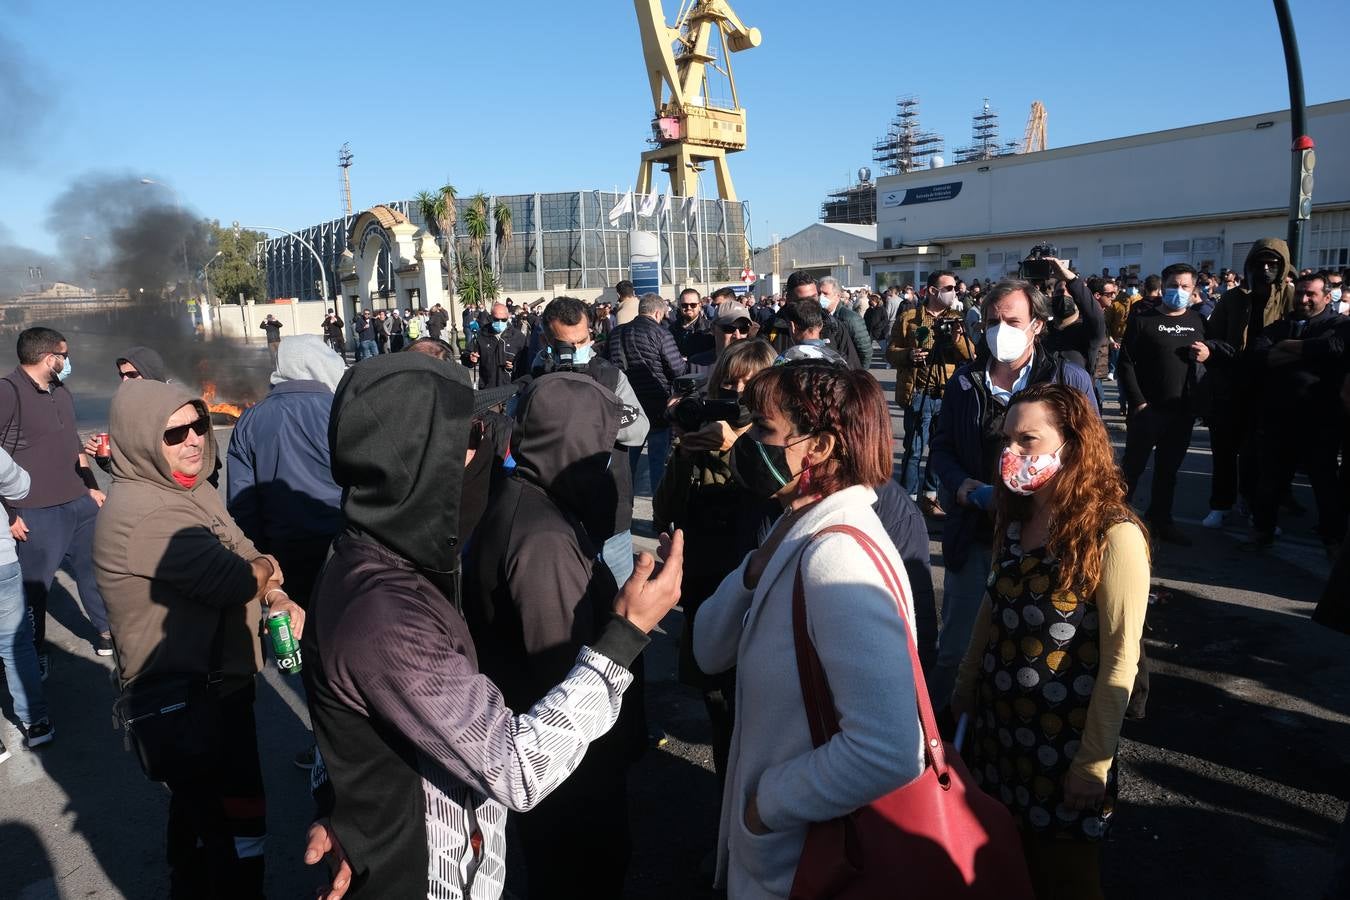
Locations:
column 1006, row 342
column 947, row 298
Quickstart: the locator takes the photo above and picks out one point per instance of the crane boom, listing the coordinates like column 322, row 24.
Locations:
column 690, row 126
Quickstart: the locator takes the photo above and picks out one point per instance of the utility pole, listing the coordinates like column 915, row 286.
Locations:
column 345, row 164
column 1304, row 156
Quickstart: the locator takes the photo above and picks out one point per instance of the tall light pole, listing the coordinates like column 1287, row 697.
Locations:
column 318, row 259
column 206, row 277
column 178, row 204
column 1304, row 156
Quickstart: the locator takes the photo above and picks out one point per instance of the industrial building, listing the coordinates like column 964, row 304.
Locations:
column 560, row 243
column 825, row 248
column 1200, row 194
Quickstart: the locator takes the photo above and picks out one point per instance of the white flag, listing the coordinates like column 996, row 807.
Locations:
column 691, row 208
column 623, row 206
column 648, row 204
column 665, row 204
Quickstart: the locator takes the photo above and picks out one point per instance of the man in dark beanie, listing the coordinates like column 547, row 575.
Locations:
column 421, row 756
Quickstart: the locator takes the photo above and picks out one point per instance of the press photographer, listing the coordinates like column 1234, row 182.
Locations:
column 1078, row 327
column 927, row 343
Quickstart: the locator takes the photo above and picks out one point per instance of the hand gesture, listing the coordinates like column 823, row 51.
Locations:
column 645, row 599
column 18, row 530
column 715, row 436
column 322, row 843
column 91, row 446
column 99, row 497
column 1199, row 351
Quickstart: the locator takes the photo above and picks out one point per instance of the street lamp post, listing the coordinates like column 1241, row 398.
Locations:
column 1304, row 155
column 178, row 204
column 206, row 275
column 323, row 277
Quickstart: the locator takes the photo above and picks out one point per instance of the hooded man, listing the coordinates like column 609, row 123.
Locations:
column 281, row 488
column 535, row 594
column 422, row 755
column 1231, row 389
column 184, row 588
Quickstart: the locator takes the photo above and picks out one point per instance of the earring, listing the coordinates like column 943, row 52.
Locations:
column 804, row 483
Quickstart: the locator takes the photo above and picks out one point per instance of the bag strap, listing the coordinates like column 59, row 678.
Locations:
column 821, row 716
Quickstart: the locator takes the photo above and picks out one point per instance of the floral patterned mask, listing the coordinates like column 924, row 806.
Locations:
column 1028, row 474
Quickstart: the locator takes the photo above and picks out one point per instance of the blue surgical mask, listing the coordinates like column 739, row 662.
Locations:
column 499, row 326
column 825, row 303
column 583, row 355
column 1176, row 298
column 65, row 369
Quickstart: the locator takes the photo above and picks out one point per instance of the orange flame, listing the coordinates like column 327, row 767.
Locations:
column 209, row 396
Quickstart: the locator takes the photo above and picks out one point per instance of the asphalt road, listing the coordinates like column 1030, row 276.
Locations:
column 1233, row 786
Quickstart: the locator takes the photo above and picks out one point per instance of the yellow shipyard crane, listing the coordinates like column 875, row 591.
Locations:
column 686, row 62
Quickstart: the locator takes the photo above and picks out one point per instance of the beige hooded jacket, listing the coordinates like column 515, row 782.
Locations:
column 171, row 563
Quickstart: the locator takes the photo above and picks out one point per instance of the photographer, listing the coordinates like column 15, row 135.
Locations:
column 927, row 343
column 719, row 519
column 1078, row 329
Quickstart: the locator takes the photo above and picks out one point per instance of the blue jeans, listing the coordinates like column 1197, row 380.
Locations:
column 962, row 593
column 618, row 555
column 1112, row 356
column 658, row 451
column 17, row 650
column 366, row 349
column 60, row 535
column 919, row 416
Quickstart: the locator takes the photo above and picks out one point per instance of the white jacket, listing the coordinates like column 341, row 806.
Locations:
column 861, row 640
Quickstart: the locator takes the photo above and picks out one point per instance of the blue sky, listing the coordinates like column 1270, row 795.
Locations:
column 242, row 106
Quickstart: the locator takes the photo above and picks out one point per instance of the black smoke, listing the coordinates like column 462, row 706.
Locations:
column 128, row 232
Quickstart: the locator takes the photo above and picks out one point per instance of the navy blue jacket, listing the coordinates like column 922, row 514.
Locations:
column 281, row 485
column 968, row 439
column 646, row 352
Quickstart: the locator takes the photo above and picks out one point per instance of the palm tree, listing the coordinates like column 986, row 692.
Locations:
column 476, row 227
column 501, row 212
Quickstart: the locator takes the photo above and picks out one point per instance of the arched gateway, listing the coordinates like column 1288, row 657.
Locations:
column 390, row 263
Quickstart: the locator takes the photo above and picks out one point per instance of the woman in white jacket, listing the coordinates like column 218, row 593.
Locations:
column 820, row 442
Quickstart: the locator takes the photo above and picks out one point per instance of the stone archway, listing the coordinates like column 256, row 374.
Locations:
column 391, row 263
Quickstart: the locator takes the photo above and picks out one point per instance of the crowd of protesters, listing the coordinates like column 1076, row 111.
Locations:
column 445, row 528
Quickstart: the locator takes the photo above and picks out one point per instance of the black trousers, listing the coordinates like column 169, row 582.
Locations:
column 1165, row 433
column 217, row 819
column 576, row 842
column 1285, row 448
column 1233, row 456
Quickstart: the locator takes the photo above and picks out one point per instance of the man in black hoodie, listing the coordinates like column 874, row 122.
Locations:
column 421, row 756
column 534, row 596
column 138, row 362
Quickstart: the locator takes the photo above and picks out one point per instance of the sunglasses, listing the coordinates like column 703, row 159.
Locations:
column 175, row 436
column 132, row 374
column 737, row 328
column 689, row 306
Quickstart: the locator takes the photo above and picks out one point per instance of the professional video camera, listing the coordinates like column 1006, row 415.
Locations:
column 1036, row 267
column 944, row 333
column 560, row 357
column 695, row 409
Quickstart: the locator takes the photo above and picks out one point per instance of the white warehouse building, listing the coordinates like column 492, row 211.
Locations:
column 1200, row 194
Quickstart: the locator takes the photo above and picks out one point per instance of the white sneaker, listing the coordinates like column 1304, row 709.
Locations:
column 1215, row 518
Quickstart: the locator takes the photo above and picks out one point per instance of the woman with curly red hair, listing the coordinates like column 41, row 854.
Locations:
column 1050, row 667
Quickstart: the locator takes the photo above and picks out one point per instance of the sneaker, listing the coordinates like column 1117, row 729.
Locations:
column 4, row 752
column 103, row 646
column 1215, row 519
column 39, row 733
column 1169, row 532
column 306, row 759
column 44, row 665
column 1110, row 376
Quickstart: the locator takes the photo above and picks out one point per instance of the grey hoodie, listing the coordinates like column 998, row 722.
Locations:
column 307, row 357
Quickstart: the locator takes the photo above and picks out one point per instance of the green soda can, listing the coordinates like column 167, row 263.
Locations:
column 284, row 645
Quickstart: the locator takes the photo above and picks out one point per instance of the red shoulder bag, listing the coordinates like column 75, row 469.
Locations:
column 937, row 836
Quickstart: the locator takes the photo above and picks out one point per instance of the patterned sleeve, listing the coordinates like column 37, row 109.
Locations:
column 457, row 717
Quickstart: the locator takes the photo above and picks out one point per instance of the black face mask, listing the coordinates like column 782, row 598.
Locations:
column 762, row 469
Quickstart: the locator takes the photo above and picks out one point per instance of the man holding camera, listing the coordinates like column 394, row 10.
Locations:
column 927, row 343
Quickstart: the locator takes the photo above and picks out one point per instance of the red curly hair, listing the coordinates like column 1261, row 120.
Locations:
column 1086, row 497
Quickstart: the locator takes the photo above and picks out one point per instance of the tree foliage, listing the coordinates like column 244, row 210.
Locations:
column 235, row 272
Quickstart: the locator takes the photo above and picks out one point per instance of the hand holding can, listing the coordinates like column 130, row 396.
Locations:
column 285, row 647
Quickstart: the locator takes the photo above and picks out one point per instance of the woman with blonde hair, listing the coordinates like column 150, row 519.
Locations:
column 1051, row 663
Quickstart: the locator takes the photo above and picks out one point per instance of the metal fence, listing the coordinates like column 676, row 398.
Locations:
column 557, row 239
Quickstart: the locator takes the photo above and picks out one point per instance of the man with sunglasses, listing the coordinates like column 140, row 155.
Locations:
column 499, row 352
column 731, row 323
column 187, row 591
column 54, row 524
column 138, row 362
column 691, row 328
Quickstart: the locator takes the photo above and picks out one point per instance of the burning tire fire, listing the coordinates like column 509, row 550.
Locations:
column 221, row 413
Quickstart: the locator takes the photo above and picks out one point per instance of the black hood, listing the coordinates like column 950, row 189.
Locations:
column 149, row 363
column 566, row 425
column 397, row 436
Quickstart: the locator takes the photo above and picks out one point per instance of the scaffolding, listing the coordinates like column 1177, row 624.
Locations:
column 853, row 205
column 984, row 142
column 906, row 146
